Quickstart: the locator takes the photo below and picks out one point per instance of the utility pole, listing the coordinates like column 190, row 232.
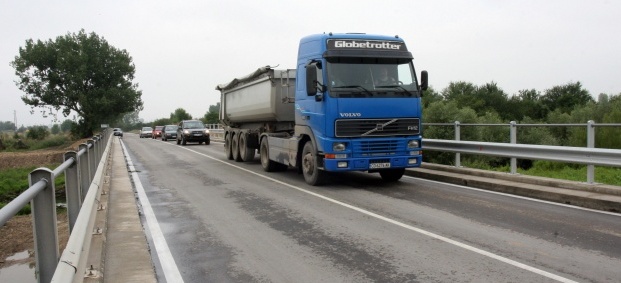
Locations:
column 15, row 119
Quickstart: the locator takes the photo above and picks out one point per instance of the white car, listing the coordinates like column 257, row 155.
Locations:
column 146, row 132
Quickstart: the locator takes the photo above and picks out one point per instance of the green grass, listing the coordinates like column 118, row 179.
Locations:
column 578, row 173
column 14, row 181
column 562, row 171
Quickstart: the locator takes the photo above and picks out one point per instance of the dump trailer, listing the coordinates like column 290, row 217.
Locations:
column 352, row 104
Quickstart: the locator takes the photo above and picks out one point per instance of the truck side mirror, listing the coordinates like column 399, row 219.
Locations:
column 424, row 80
column 311, row 80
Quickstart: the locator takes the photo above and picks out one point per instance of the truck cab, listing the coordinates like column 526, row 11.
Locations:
column 356, row 118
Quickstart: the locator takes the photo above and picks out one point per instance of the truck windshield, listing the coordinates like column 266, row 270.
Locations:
column 371, row 77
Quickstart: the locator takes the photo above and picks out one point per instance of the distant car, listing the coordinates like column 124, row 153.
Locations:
column 117, row 132
column 192, row 131
column 169, row 132
column 157, row 132
column 146, row 132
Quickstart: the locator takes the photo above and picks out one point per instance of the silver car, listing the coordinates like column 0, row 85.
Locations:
column 146, row 132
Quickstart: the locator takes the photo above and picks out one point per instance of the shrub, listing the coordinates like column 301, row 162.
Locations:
column 37, row 132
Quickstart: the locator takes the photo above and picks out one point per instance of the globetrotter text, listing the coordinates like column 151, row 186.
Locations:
column 367, row 45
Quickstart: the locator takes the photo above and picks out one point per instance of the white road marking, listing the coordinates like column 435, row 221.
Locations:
column 403, row 225
column 169, row 267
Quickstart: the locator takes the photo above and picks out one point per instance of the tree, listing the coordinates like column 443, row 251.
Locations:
column 566, row 97
column 130, row 121
column 213, row 115
column 161, row 122
column 7, row 126
column 525, row 104
column 37, row 132
column 55, row 129
column 66, row 125
column 81, row 73
column 179, row 115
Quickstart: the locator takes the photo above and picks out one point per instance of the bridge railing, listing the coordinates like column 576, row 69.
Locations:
column 590, row 155
column 83, row 174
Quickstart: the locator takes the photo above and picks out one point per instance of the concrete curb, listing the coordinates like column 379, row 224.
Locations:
column 594, row 196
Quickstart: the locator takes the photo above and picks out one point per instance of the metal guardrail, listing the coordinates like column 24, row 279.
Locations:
column 589, row 155
column 80, row 168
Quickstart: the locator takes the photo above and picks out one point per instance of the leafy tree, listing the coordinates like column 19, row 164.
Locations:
column 490, row 98
column 161, row 122
column 7, row 126
column 608, row 137
column 460, row 92
column 55, row 129
column 566, row 97
column 131, row 121
column 526, row 104
column 66, row 125
column 37, row 132
column 213, row 115
column 179, row 115
column 430, row 96
column 78, row 72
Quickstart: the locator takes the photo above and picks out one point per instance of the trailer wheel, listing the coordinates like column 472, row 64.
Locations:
column 228, row 151
column 310, row 169
column 246, row 153
column 392, row 175
column 235, row 148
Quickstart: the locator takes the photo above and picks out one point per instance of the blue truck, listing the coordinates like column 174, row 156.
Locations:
column 352, row 104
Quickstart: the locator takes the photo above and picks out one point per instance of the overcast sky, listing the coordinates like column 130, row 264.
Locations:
column 183, row 49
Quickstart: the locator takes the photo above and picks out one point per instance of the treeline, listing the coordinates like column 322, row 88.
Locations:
column 489, row 104
column 132, row 121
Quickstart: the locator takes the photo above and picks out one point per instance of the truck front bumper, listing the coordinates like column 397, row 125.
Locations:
column 372, row 164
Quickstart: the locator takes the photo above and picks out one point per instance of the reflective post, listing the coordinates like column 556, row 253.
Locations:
column 72, row 188
column 590, row 144
column 44, row 227
column 513, row 140
column 457, row 138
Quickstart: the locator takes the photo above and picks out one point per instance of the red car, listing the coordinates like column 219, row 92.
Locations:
column 157, row 132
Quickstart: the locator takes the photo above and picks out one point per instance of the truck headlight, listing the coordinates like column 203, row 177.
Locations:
column 186, row 132
column 207, row 131
column 413, row 144
column 339, row 146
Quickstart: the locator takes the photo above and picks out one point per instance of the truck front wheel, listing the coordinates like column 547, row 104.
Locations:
column 392, row 175
column 310, row 166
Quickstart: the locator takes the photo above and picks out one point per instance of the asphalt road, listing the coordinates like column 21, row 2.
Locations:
column 225, row 221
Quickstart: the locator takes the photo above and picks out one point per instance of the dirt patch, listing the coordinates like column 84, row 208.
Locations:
column 35, row 157
column 16, row 236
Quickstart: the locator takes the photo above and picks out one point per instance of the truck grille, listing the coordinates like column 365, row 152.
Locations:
column 377, row 127
column 378, row 148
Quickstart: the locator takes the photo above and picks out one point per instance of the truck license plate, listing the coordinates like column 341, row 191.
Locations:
column 379, row 165
column 198, row 135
